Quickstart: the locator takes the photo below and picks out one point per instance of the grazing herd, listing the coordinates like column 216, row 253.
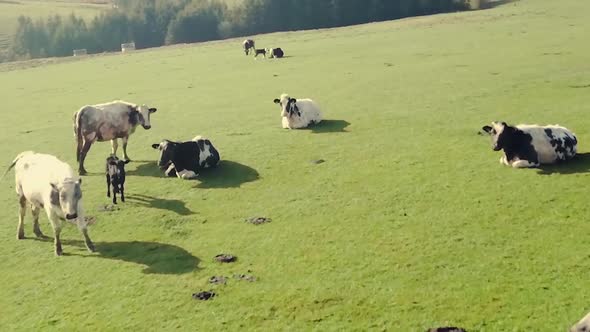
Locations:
column 249, row 46
column 44, row 182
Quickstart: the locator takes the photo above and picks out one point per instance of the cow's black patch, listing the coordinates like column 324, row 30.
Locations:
column 517, row 144
column 134, row 117
column 54, row 197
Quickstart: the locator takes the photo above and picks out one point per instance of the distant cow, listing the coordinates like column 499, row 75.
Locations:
column 185, row 159
column 583, row 325
column 115, row 174
column 532, row 145
column 298, row 113
column 110, row 121
column 275, row 52
column 46, row 182
column 248, row 44
column 259, row 51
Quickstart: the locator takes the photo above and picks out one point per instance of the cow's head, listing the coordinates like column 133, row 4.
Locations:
column 288, row 105
column 117, row 166
column 143, row 115
column 582, row 326
column 501, row 134
column 67, row 195
column 166, row 148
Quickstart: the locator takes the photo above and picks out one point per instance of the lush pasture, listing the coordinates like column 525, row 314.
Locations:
column 10, row 10
column 410, row 223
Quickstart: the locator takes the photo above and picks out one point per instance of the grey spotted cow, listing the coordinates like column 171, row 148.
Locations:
column 109, row 121
column 532, row 145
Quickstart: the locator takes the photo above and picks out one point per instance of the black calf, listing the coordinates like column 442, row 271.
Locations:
column 115, row 172
column 259, row 51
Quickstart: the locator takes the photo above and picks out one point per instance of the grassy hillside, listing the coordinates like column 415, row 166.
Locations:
column 409, row 223
column 11, row 10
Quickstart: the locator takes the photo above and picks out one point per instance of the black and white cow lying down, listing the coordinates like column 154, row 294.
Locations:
column 532, row 145
column 185, row 159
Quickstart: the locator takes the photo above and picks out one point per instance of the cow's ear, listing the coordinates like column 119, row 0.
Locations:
column 80, row 181
column 54, row 186
column 156, row 146
column 153, row 110
column 487, row 129
column 125, row 162
column 294, row 100
column 277, row 101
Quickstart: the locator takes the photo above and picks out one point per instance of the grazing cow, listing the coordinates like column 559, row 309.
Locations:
column 115, row 173
column 185, row 159
column 259, row 51
column 248, row 44
column 110, row 121
column 46, row 182
column 298, row 113
column 532, row 145
column 275, row 52
column 583, row 325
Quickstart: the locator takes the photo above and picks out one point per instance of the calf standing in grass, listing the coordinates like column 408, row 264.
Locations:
column 46, row 182
column 110, row 121
column 298, row 113
column 115, row 172
column 532, row 145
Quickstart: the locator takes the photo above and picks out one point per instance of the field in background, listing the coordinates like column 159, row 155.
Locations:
column 410, row 223
column 10, row 10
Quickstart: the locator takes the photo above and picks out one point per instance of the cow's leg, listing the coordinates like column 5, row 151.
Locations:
column 108, row 186
column 114, row 195
column 171, row 171
column 83, row 227
column 122, row 192
column 114, row 146
column 504, row 161
column 35, row 210
column 79, row 144
column 125, row 140
column 56, row 225
column 20, row 231
column 83, row 153
column 524, row 164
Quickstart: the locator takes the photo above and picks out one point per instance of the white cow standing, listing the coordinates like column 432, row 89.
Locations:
column 298, row 113
column 46, row 182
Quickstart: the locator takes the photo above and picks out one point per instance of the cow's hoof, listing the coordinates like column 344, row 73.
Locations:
column 90, row 247
column 20, row 236
column 39, row 234
column 58, row 252
column 82, row 172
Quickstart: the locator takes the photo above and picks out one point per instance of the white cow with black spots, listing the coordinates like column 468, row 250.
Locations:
column 298, row 113
column 45, row 182
column 532, row 145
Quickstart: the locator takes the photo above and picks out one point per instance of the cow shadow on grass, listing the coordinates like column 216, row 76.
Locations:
column 146, row 168
column 158, row 258
column 228, row 174
column 579, row 164
column 174, row 205
column 330, row 126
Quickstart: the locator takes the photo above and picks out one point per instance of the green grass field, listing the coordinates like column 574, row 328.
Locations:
column 410, row 223
column 10, row 10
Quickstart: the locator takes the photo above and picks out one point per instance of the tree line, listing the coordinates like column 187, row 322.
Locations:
column 151, row 23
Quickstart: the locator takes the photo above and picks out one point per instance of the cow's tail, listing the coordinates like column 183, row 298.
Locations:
column 20, row 155
column 78, row 132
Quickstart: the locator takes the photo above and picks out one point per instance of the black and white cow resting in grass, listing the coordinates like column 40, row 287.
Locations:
column 109, row 121
column 185, row 159
column 248, row 44
column 298, row 113
column 532, row 145
column 583, row 325
column 45, row 182
column 275, row 52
